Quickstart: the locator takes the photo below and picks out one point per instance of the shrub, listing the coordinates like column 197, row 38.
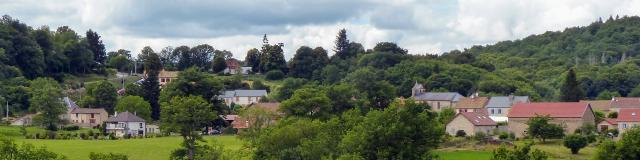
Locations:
column 83, row 136
column 612, row 115
column 112, row 136
column 274, row 75
column 461, row 133
column 480, row 136
column 518, row 153
column 575, row 142
column 107, row 156
column 512, row 135
column 51, row 135
column 23, row 130
column 613, row 131
column 71, row 128
column 503, row 135
column 90, row 133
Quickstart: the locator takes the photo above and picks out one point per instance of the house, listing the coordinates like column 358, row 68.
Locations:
column 606, row 124
column 499, row 106
column 599, row 105
column 437, row 100
column 165, row 77
column 26, row 120
column 570, row 115
column 152, row 129
column 618, row 103
column 126, row 123
column 628, row 118
column 87, row 117
column 233, row 66
column 471, row 104
column 242, row 123
column 471, row 123
column 70, row 105
column 243, row 97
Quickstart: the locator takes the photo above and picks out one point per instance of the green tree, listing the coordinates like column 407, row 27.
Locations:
column 301, row 65
column 185, row 57
column 168, row 58
column 219, row 64
column 289, row 85
column 575, row 142
column 187, row 116
column 389, row 47
column 9, row 150
column 150, row 85
column 307, row 102
column 135, row 104
column 411, row 131
column 606, row 95
column 120, row 62
column 97, row 47
column 46, row 96
column 343, row 97
column 201, row 56
column 258, row 85
column 628, row 147
column 571, row 90
column 104, row 95
column 196, row 83
column 342, row 45
column 446, row 115
column 253, row 60
column 539, row 127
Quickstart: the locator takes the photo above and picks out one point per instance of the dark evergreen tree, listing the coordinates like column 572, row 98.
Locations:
column 219, row 64
column 150, row 85
column 570, row 90
column 342, row 45
column 97, row 47
column 301, row 65
column 389, row 47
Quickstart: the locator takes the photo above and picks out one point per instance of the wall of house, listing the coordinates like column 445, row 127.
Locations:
column 460, row 123
column 85, row 120
column 123, row 128
column 605, row 125
column 623, row 126
column 519, row 125
column 460, row 110
column 242, row 100
column 498, row 112
column 489, row 130
column 439, row 105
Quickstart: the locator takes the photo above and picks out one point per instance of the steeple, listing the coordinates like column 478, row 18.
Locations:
column 417, row 89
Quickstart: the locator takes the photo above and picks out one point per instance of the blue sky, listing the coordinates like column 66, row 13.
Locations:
column 421, row 26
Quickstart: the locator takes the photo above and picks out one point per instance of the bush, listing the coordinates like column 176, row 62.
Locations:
column 107, row 156
column 274, row 75
column 71, row 128
column 480, row 136
column 518, row 153
column 83, row 136
column 461, row 133
column 612, row 115
column 112, row 136
column 90, row 133
column 503, row 135
column 575, row 142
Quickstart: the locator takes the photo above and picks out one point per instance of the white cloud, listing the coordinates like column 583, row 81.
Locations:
column 431, row 26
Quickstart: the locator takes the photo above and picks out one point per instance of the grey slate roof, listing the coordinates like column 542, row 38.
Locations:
column 88, row 110
column 506, row 101
column 70, row 104
column 125, row 117
column 438, row 96
column 244, row 93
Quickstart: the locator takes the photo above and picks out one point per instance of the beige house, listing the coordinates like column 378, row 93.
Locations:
column 471, row 104
column 437, row 100
column 167, row 76
column 243, row 97
column 87, row 117
column 628, row 118
column 570, row 115
column 618, row 103
column 471, row 123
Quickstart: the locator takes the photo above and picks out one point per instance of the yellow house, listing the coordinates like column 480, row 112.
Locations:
column 88, row 117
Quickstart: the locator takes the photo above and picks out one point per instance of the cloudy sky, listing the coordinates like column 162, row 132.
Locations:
column 421, row 26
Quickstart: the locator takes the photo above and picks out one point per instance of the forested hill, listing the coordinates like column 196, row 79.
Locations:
column 605, row 54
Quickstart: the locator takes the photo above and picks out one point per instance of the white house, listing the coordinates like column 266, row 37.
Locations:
column 243, row 97
column 126, row 123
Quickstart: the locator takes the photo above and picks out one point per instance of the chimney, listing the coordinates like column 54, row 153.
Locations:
column 115, row 114
column 135, row 113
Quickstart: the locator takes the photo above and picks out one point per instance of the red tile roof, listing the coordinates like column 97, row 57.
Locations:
column 629, row 115
column 476, row 102
column 478, row 118
column 611, row 121
column 625, row 102
column 552, row 109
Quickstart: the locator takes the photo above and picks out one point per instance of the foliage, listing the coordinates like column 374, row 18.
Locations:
column 101, row 94
column 539, row 127
column 197, row 83
column 571, row 91
column 289, row 85
column 628, row 147
column 258, row 85
column 150, row 85
column 11, row 151
column 46, row 98
column 308, row 102
column 219, row 64
column 519, row 153
column 612, row 115
column 107, row 156
column 186, row 116
column 307, row 62
column 136, row 105
column 446, row 115
column 606, row 95
column 575, row 142
column 274, row 75
column 253, row 60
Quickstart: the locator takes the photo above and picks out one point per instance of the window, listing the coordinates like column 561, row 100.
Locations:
column 91, row 115
column 140, row 125
column 76, row 115
column 499, row 111
column 492, row 111
column 624, row 125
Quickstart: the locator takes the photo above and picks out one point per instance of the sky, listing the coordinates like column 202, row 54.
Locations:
column 421, row 26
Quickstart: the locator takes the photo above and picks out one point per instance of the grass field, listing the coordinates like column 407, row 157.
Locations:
column 463, row 155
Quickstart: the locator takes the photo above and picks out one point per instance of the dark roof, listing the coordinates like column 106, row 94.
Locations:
column 629, row 115
column 438, row 96
column 552, row 109
column 244, row 93
column 625, row 102
column 70, row 104
column 88, row 110
column 478, row 118
column 125, row 117
column 475, row 102
column 506, row 101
